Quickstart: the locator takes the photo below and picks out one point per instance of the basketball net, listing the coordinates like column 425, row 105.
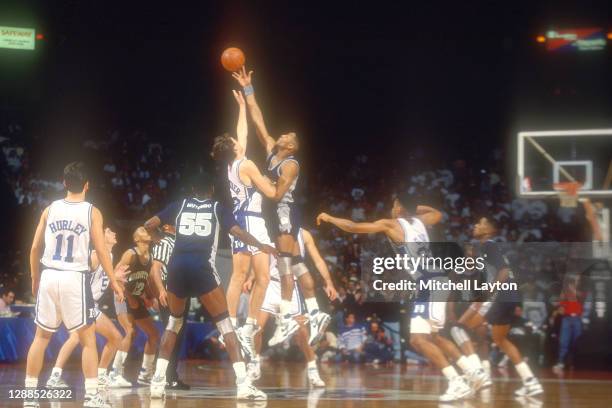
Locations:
column 568, row 193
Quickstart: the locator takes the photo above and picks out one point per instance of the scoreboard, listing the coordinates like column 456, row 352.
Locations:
column 17, row 38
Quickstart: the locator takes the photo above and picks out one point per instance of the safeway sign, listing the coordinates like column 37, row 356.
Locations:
column 17, row 38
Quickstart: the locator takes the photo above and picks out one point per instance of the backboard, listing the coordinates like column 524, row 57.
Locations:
column 546, row 158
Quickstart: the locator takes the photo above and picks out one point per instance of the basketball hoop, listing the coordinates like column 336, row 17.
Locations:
column 568, row 193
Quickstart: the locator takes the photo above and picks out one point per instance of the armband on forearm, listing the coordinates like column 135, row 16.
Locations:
column 248, row 90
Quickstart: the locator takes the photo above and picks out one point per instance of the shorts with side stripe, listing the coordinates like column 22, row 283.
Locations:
column 427, row 317
column 191, row 275
column 255, row 225
column 64, row 297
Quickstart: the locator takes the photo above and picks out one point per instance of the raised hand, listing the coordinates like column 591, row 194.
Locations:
column 239, row 98
column 242, row 77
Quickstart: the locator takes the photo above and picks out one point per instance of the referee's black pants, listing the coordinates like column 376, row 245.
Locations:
column 164, row 313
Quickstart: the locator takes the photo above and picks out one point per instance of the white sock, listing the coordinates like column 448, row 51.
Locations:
column 240, row 370
column 251, row 321
column 487, row 366
column 161, row 367
column 101, row 371
column 474, row 361
column 119, row 360
column 285, row 308
column 234, row 321
column 147, row 362
column 523, row 371
column 464, row 364
column 91, row 385
column 449, row 372
column 57, row 370
column 311, row 305
column 312, row 364
column 31, row 382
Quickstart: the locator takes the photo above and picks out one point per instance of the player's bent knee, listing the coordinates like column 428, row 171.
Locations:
column 284, row 264
column 224, row 325
column 416, row 340
column 459, row 335
column 299, row 269
column 175, row 324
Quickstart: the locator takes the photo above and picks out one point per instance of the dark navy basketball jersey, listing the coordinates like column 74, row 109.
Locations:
column 197, row 225
column 139, row 273
column 274, row 173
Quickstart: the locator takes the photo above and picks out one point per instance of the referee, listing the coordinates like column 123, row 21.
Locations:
column 162, row 251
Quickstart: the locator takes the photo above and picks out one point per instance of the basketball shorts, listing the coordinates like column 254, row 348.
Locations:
column 191, row 275
column 64, row 297
column 139, row 311
column 272, row 300
column 288, row 219
column 499, row 313
column 255, row 225
column 427, row 317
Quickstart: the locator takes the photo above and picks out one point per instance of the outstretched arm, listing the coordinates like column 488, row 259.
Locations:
column 37, row 250
column 428, row 215
column 320, row 264
column 244, row 80
column 262, row 183
column 242, row 128
column 384, row 226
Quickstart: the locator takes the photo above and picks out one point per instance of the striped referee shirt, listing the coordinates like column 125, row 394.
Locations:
column 162, row 252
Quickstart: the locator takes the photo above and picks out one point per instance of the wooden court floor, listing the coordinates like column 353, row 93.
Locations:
column 347, row 386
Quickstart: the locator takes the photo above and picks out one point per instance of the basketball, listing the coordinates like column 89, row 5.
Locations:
column 232, row 59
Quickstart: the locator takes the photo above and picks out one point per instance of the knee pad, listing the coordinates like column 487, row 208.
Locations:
column 174, row 324
column 284, row 264
column 225, row 326
column 459, row 335
column 299, row 269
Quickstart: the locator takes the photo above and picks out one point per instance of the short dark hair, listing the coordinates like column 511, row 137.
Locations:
column 223, row 149
column 493, row 222
column 407, row 201
column 5, row 291
column 202, row 182
column 75, row 177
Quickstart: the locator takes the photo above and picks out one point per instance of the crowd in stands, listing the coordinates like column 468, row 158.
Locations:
column 139, row 174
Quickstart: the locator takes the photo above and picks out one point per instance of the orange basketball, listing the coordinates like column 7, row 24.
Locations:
column 232, row 59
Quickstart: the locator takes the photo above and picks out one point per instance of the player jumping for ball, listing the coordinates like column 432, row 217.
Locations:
column 192, row 272
column 283, row 168
column 246, row 185
column 65, row 232
column 407, row 233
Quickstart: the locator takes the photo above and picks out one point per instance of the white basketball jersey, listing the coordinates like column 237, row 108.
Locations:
column 67, row 236
column 99, row 282
column 416, row 238
column 245, row 198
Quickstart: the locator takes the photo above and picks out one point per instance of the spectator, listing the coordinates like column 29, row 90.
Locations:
column 7, row 297
column 351, row 341
column 570, row 310
column 378, row 347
